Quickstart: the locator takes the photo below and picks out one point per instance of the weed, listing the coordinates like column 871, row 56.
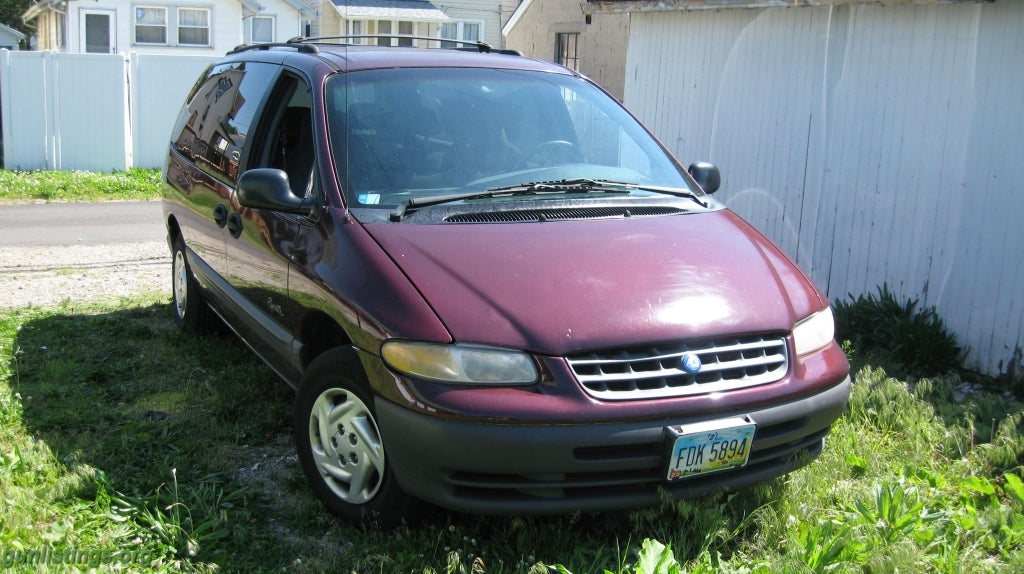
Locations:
column 893, row 513
column 913, row 340
column 184, row 520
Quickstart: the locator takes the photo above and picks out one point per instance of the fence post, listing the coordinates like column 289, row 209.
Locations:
column 5, row 104
column 51, row 110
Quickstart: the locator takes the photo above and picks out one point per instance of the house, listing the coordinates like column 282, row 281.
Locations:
column 10, row 38
column 465, row 20
column 561, row 31
column 876, row 141
column 164, row 26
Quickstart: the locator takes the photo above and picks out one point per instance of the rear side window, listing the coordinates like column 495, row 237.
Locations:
column 212, row 127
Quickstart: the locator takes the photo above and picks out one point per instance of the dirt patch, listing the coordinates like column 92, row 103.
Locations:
column 45, row 276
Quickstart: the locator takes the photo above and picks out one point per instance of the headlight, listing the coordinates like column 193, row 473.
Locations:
column 814, row 332
column 464, row 364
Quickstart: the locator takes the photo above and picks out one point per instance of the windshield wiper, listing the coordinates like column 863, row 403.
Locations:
column 591, row 185
column 535, row 188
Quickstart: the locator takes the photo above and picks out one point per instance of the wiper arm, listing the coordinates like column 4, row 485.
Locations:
column 536, row 188
column 399, row 212
column 581, row 185
column 590, row 185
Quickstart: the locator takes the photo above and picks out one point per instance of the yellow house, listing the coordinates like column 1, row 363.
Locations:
column 562, row 31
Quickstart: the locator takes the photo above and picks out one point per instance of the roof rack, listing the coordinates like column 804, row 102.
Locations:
column 304, row 48
column 463, row 45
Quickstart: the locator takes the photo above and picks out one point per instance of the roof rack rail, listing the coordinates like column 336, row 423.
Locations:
column 304, row 48
column 463, row 45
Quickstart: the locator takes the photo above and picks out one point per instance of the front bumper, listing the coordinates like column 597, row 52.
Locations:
column 555, row 469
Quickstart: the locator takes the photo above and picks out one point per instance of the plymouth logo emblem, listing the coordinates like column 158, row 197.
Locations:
column 690, row 363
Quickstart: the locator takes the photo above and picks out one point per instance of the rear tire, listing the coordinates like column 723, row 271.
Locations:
column 190, row 311
column 340, row 446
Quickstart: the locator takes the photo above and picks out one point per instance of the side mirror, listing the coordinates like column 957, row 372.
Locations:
column 707, row 176
column 265, row 188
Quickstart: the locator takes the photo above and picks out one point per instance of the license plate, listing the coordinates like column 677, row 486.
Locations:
column 709, row 446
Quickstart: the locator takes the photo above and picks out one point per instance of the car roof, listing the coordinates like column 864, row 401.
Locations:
column 347, row 57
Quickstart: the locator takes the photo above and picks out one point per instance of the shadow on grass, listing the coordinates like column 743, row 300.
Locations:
column 127, row 394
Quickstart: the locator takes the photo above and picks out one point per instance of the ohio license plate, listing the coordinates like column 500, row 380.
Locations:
column 709, row 446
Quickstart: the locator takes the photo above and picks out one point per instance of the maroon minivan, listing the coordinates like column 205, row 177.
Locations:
column 491, row 287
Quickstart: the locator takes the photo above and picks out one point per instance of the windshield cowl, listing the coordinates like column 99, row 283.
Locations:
column 567, row 187
column 518, row 209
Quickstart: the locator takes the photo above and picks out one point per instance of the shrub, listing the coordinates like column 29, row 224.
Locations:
column 913, row 338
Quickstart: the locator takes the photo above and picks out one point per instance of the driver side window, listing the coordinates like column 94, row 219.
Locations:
column 289, row 143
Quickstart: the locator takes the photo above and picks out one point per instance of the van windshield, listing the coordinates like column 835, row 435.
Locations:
column 400, row 134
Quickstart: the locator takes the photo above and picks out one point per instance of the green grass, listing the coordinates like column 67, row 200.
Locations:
column 30, row 186
column 122, row 438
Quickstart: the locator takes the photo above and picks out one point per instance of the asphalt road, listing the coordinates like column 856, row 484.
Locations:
column 100, row 223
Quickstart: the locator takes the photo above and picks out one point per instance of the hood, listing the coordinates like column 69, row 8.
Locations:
column 560, row 287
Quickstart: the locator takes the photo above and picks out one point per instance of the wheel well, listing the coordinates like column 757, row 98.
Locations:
column 320, row 333
column 173, row 230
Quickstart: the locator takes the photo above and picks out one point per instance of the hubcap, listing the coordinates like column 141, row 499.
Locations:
column 180, row 283
column 346, row 445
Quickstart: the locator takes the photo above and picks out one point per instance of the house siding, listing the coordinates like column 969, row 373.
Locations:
column 488, row 13
column 602, row 43
column 227, row 25
column 875, row 144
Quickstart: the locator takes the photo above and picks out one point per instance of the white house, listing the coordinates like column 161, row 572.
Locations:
column 164, row 26
column 9, row 37
column 465, row 20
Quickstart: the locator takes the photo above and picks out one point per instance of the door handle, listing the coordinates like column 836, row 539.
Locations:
column 235, row 225
column 220, row 215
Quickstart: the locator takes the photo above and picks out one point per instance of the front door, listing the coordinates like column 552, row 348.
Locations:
column 98, row 32
column 260, row 256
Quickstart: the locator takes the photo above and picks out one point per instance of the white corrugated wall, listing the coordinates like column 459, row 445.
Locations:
column 875, row 144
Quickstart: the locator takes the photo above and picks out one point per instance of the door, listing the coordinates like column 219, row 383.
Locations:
column 98, row 32
column 260, row 255
column 207, row 143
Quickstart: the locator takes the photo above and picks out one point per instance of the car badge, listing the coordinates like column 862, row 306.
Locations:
column 691, row 363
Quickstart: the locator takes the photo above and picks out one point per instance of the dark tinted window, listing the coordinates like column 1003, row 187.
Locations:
column 212, row 128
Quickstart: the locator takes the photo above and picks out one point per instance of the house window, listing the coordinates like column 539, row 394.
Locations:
column 150, row 25
column 405, row 29
column 262, row 29
column 389, row 28
column 357, row 28
column 170, row 26
column 565, row 50
column 193, row 27
column 464, row 31
column 384, row 29
column 394, row 28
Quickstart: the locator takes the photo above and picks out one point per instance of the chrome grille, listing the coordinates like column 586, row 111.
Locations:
column 655, row 372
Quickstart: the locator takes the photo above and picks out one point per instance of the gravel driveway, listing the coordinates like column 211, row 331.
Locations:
column 46, row 275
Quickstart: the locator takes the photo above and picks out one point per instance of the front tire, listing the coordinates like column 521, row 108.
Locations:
column 340, row 446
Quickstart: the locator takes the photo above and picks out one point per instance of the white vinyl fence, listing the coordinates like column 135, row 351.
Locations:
column 96, row 112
